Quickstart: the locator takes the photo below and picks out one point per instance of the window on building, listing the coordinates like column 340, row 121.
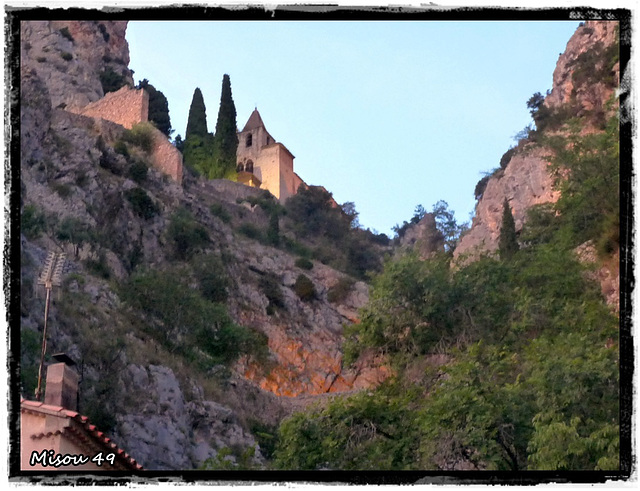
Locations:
column 240, row 167
column 249, row 166
column 249, row 139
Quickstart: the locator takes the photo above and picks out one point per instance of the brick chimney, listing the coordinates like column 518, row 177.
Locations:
column 62, row 383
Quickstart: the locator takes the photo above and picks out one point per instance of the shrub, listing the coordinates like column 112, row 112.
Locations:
column 142, row 204
column 66, row 56
column 185, row 235
column 99, row 267
column 138, row 171
column 304, row 288
column 221, row 212
column 140, row 135
column 338, row 292
column 295, row 247
column 103, row 30
column 251, row 231
column 65, row 33
column 75, row 231
column 111, row 80
column 134, row 257
column 481, row 186
column 304, row 263
column 270, row 287
column 81, row 178
column 120, row 147
column 62, row 189
column 41, row 59
column 32, row 222
column 212, row 278
column 312, row 212
column 109, row 161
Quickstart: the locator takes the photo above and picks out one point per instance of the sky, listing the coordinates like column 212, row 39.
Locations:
column 387, row 115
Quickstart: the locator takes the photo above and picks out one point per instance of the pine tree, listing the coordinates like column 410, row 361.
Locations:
column 158, row 108
column 508, row 243
column 197, row 122
column 226, row 136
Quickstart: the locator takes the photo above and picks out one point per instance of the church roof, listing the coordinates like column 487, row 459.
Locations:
column 255, row 121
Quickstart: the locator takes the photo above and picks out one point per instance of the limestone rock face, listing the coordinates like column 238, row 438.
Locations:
column 69, row 56
column 608, row 274
column 525, row 181
column 305, row 337
column 168, row 432
column 423, row 237
column 585, row 37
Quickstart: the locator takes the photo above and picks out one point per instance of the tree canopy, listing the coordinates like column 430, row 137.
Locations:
column 158, row 108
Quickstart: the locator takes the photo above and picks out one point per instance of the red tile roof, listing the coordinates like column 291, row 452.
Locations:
column 85, row 429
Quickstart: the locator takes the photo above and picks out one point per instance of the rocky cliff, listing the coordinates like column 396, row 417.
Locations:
column 90, row 191
column 70, row 56
column 526, row 180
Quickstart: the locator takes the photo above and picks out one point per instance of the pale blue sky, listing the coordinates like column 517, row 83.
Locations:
column 386, row 114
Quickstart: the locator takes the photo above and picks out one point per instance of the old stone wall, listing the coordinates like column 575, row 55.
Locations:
column 165, row 157
column 126, row 107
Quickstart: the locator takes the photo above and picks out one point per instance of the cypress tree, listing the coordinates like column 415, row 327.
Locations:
column 197, row 122
column 198, row 142
column 508, row 243
column 226, row 136
column 158, row 108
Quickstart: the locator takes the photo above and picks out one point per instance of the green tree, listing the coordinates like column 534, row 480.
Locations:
column 313, row 213
column 365, row 431
column 226, row 135
column 508, row 242
column 158, row 108
column 447, row 225
column 587, row 171
column 198, row 154
column 197, row 121
column 111, row 80
column 535, row 103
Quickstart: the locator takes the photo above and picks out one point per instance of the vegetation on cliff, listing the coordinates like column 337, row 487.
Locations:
column 530, row 379
column 509, row 362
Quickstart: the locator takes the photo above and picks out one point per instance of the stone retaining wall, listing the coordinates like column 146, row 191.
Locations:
column 126, row 107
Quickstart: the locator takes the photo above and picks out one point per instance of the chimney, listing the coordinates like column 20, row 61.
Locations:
column 62, row 383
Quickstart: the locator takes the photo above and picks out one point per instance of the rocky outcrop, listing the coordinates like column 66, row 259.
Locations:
column 69, row 56
column 305, row 337
column 423, row 237
column 167, row 431
column 590, row 35
column 607, row 275
column 525, row 181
